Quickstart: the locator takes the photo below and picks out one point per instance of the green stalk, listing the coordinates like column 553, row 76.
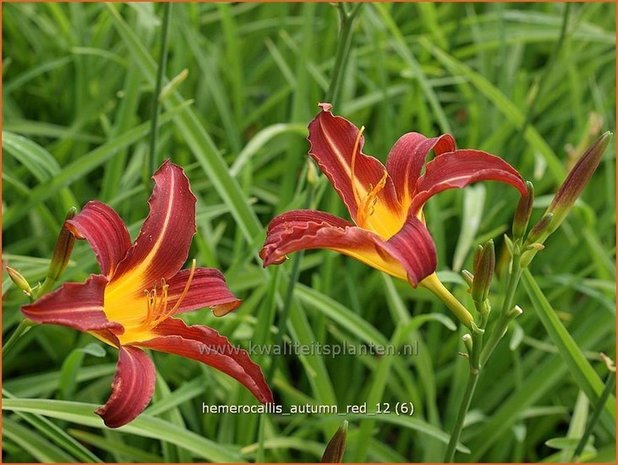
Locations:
column 474, row 358
column 23, row 327
column 152, row 162
column 343, row 51
column 461, row 415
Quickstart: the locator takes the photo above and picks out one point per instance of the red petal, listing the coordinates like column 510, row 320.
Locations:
column 295, row 230
column 132, row 388
column 207, row 289
column 409, row 254
column 460, row 168
column 407, row 157
column 207, row 346
column 78, row 306
column 332, row 140
column 106, row 233
column 163, row 243
column 413, row 246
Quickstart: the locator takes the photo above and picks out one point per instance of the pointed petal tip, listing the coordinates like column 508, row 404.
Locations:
column 268, row 256
column 201, row 288
column 325, row 106
column 224, row 309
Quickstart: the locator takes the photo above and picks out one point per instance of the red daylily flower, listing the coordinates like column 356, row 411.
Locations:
column 385, row 202
column 132, row 304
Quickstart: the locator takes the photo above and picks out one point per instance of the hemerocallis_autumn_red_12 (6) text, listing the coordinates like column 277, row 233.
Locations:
column 133, row 303
column 385, row 202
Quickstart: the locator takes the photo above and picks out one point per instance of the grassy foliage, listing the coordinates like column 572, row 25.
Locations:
column 242, row 81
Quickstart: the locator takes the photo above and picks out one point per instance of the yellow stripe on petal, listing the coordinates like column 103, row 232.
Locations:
column 361, row 181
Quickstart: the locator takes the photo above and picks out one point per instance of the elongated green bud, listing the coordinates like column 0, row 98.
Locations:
column 577, row 179
column 484, row 264
column 62, row 250
column 19, row 280
column 523, row 212
column 336, row 446
column 571, row 189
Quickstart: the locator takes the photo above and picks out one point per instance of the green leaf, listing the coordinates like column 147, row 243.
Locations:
column 586, row 377
column 83, row 414
column 115, row 446
column 45, row 383
column 33, row 443
column 567, row 444
column 72, row 365
column 32, row 156
column 474, row 200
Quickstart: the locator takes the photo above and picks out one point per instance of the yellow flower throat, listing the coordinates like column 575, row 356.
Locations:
column 365, row 203
column 139, row 315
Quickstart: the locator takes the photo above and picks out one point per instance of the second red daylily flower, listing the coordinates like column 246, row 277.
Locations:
column 385, row 202
column 132, row 304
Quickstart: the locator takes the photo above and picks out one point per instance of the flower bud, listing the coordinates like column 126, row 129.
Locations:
column 336, row 446
column 19, row 280
column 529, row 253
column 484, row 264
column 468, row 277
column 62, row 250
column 523, row 212
column 515, row 312
column 573, row 186
column 467, row 340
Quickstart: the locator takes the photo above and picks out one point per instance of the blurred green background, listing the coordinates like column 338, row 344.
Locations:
column 243, row 82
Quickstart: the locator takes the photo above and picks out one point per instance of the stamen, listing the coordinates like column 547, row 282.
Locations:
column 167, row 313
column 367, row 207
column 186, row 289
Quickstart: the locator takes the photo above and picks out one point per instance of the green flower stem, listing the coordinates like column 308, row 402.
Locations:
column 610, row 385
column 343, row 51
column 23, row 327
column 473, row 377
column 474, row 356
column 152, row 162
column 434, row 284
column 47, row 286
